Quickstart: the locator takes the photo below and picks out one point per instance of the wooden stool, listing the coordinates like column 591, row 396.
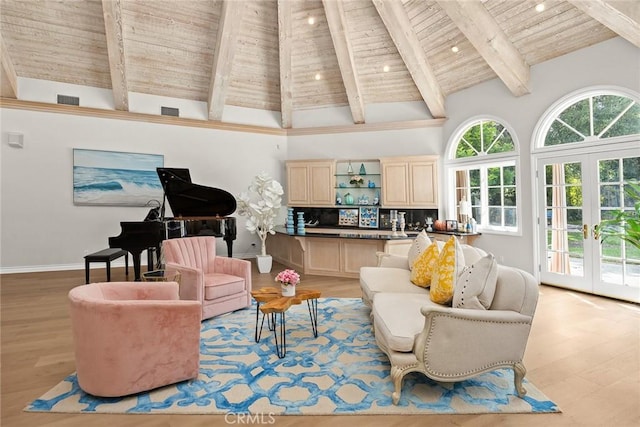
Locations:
column 106, row 255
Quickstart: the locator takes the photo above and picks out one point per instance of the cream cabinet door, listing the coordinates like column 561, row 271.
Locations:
column 423, row 190
column 297, row 184
column 410, row 182
column 395, row 184
column 310, row 183
column 321, row 184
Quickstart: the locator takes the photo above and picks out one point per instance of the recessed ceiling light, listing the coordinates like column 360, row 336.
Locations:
column 539, row 7
column 455, row 49
column 318, row 76
column 311, row 20
column 385, row 68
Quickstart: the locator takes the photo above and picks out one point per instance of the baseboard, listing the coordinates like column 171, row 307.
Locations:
column 80, row 266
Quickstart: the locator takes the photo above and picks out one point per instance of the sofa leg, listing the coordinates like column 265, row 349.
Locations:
column 397, row 374
column 519, row 372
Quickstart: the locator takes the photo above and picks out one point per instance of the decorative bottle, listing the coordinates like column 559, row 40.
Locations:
column 301, row 223
column 350, row 169
column 363, row 171
column 290, row 229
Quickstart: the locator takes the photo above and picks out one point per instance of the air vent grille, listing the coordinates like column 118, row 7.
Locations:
column 169, row 111
column 68, row 100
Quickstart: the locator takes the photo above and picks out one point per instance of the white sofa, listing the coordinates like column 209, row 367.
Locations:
column 444, row 343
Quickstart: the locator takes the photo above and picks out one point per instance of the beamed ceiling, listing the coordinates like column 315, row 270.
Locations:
column 287, row 56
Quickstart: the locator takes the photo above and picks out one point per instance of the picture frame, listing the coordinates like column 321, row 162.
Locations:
column 115, row 178
column 452, row 225
column 369, row 217
column 348, row 217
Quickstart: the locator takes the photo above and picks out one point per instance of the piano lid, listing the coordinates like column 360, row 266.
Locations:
column 187, row 199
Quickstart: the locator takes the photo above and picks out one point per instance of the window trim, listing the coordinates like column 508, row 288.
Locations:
column 551, row 114
column 490, row 160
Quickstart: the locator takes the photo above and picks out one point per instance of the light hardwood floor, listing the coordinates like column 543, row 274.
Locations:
column 584, row 353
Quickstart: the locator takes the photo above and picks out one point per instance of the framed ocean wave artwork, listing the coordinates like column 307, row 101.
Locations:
column 115, row 178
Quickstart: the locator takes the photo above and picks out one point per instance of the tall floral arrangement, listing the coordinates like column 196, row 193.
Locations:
column 261, row 205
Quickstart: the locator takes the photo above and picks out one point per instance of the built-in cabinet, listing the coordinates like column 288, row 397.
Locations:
column 310, row 182
column 410, row 181
column 349, row 192
column 391, row 182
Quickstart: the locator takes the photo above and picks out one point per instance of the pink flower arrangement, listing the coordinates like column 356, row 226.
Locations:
column 288, row 277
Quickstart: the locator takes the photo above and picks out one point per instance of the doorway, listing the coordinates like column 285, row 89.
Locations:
column 575, row 192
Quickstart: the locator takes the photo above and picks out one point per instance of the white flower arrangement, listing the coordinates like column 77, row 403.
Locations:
column 261, row 206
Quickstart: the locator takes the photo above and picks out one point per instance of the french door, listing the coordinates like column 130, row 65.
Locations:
column 575, row 192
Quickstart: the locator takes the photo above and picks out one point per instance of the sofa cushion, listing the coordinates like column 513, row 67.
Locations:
column 374, row 280
column 398, row 320
column 477, row 284
column 424, row 265
column 218, row 285
column 472, row 254
column 450, row 264
column 419, row 245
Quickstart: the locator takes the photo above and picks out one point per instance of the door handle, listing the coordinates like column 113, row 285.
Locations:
column 585, row 231
column 596, row 232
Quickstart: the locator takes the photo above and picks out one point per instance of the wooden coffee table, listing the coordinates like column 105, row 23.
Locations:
column 271, row 303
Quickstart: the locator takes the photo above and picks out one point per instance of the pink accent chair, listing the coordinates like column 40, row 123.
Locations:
column 131, row 337
column 221, row 284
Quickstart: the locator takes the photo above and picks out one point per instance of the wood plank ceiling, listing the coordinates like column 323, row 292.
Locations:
column 290, row 55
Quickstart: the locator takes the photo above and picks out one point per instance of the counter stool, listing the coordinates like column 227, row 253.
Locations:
column 106, row 255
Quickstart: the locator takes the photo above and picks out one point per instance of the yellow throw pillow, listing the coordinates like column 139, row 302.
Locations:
column 424, row 265
column 450, row 263
column 418, row 246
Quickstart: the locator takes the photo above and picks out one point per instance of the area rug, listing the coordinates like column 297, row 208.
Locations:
column 341, row 371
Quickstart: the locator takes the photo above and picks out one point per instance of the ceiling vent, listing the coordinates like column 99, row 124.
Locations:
column 68, row 100
column 169, row 111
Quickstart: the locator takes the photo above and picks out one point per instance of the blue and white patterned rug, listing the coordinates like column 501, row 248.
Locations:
column 340, row 372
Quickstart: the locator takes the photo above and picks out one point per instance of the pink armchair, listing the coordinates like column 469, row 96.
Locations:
column 133, row 336
column 221, row 284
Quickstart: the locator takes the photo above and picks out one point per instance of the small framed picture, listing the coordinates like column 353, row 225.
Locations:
column 369, row 217
column 452, row 225
column 348, row 217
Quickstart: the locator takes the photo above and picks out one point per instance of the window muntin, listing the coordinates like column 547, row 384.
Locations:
column 593, row 118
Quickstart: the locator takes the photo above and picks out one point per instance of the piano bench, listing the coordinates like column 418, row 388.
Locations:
column 106, row 255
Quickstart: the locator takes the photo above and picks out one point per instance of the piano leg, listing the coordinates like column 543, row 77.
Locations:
column 136, row 264
column 229, row 247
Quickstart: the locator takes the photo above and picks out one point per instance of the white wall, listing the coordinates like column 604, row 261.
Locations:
column 614, row 62
column 41, row 228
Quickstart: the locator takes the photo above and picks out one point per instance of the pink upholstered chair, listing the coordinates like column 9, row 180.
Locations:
column 133, row 336
column 221, row 284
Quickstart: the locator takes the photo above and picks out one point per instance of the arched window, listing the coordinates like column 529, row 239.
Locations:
column 483, row 169
column 589, row 117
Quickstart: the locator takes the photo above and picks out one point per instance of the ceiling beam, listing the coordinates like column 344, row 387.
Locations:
column 112, row 11
column 228, row 31
column 623, row 18
column 397, row 22
column 483, row 32
column 285, row 33
column 336, row 19
column 9, row 80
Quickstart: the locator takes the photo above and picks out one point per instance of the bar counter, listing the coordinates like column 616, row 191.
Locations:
column 340, row 251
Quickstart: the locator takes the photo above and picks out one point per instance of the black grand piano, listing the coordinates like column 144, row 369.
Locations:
column 197, row 211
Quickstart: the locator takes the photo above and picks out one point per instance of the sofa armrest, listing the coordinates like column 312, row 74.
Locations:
column 191, row 281
column 393, row 261
column 475, row 340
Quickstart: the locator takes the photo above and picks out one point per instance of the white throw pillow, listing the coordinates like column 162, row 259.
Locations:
column 419, row 245
column 476, row 286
